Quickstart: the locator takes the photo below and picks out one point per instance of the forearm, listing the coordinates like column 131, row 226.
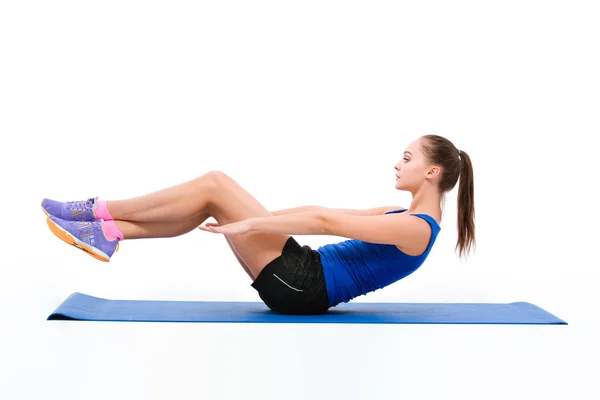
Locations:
column 299, row 223
column 296, row 210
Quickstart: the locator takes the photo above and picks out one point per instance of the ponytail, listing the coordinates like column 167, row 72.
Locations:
column 466, row 206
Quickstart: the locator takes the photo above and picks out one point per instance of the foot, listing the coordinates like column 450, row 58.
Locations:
column 71, row 210
column 85, row 235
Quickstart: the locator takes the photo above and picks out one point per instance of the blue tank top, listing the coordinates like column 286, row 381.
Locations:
column 353, row 267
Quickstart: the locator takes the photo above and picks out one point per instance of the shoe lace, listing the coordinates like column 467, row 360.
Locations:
column 80, row 205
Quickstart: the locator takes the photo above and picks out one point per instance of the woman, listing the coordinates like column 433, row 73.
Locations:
column 386, row 243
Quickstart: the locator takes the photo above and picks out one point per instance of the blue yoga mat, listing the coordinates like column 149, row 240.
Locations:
column 80, row 306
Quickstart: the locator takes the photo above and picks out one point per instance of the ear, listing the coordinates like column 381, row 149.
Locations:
column 433, row 172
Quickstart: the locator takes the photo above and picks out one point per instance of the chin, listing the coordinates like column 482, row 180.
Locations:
column 402, row 187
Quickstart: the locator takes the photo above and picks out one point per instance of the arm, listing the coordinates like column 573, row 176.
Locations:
column 297, row 210
column 402, row 230
column 299, row 223
column 345, row 211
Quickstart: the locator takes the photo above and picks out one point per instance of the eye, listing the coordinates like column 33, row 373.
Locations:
column 406, row 159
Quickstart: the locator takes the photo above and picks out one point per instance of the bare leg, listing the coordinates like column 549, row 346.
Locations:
column 150, row 230
column 213, row 193
column 143, row 230
column 176, row 203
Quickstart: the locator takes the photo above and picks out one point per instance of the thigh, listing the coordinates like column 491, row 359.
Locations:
column 232, row 203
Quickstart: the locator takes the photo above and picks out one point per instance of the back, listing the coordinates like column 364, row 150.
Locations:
column 354, row 267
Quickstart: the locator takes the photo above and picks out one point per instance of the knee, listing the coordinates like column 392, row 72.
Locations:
column 214, row 181
column 215, row 177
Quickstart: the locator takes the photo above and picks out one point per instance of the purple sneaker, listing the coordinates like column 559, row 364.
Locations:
column 85, row 235
column 84, row 210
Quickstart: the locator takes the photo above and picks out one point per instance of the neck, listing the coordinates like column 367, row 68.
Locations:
column 426, row 198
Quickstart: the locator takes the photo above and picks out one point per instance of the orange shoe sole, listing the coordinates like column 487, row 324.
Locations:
column 73, row 241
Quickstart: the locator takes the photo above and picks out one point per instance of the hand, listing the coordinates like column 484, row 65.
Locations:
column 235, row 228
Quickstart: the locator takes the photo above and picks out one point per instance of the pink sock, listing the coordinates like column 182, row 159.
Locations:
column 111, row 231
column 102, row 211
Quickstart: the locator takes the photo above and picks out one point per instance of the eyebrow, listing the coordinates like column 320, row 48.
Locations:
column 408, row 152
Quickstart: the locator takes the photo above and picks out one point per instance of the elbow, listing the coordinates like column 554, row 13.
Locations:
column 323, row 224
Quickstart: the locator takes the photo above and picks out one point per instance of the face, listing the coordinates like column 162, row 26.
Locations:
column 412, row 170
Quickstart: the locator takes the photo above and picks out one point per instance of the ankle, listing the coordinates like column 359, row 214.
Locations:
column 102, row 211
column 111, row 231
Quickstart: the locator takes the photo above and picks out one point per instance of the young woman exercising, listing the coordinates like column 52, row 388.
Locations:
column 385, row 243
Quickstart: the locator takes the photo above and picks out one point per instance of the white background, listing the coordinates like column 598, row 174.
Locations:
column 303, row 103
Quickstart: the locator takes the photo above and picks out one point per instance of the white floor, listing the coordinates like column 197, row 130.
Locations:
column 100, row 360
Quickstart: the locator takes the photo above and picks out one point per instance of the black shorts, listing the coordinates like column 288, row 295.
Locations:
column 293, row 283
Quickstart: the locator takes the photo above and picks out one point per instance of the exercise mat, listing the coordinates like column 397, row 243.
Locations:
column 82, row 307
